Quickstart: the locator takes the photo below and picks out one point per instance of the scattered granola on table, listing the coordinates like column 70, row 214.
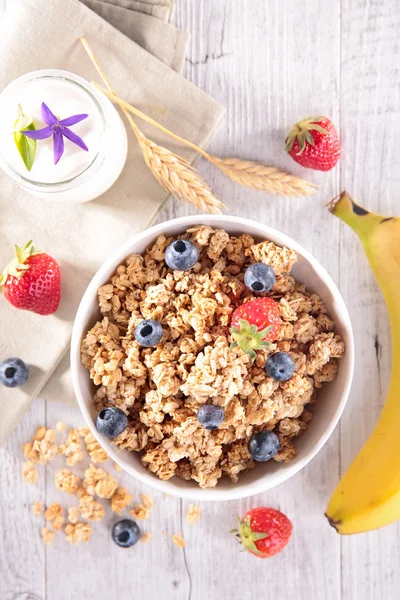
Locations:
column 80, row 532
column 73, row 450
column 52, row 511
column 178, row 540
column 90, row 508
column 198, row 361
column 98, row 481
column 58, row 522
column 67, row 481
column 142, row 509
column 96, row 452
column 37, row 508
column 29, row 472
column 42, row 448
column 147, row 501
column 120, row 499
column 141, row 512
column 47, row 535
column 193, row 514
column 95, row 482
column 73, row 514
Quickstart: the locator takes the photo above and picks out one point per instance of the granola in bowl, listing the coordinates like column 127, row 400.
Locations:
column 161, row 388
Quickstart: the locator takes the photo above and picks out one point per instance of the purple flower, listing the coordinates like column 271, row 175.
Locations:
column 58, row 129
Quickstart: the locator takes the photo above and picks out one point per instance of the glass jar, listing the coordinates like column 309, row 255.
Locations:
column 79, row 176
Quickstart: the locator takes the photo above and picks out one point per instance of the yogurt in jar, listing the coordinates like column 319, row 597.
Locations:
column 79, row 175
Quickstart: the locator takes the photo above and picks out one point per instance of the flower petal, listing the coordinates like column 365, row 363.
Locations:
column 72, row 120
column 74, row 138
column 48, row 116
column 39, row 134
column 58, row 145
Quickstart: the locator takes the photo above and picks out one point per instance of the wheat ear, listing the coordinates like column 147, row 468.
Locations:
column 174, row 173
column 251, row 174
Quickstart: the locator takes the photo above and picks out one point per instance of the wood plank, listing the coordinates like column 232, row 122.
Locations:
column 370, row 130
column 22, row 552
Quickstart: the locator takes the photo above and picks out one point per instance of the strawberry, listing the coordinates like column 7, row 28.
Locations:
column 318, row 150
column 255, row 324
column 32, row 281
column 264, row 531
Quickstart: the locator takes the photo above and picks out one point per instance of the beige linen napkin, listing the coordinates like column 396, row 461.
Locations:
column 162, row 9
column 152, row 34
column 37, row 34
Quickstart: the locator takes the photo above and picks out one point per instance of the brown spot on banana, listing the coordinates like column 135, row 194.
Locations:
column 333, row 523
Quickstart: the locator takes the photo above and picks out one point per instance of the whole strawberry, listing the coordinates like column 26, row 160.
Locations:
column 32, row 281
column 264, row 531
column 255, row 324
column 314, row 143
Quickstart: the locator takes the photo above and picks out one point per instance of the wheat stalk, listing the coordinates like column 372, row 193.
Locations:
column 251, row 174
column 177, row 176
column 262, row 177
column 172, row 172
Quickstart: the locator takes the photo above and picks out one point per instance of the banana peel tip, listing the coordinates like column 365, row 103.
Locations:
column 333, row 523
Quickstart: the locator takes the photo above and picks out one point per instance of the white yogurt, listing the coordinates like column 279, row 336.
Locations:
column 79, row 175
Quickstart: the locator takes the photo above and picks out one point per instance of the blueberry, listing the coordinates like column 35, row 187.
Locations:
column 125, row 533
column 263, row 445
column 259, row 277
column 112, row 421
column 13, row 372
column 210, row 416
column 181, row 255
column 280, row 366
column 148, row 333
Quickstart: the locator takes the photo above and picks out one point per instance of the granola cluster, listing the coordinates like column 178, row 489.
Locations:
column 162, row 388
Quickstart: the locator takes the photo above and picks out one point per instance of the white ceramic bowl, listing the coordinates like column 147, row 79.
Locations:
column 327, row 411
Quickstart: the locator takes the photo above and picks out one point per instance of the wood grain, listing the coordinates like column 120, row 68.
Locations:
column 270, row 63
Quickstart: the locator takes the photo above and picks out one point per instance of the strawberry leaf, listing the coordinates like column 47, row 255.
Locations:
column 302, row 142
column 248, row 537
column 289, row 142
column 318, row 128
column 309, row 138
column 265, row 332
column 18, row 265
column 301, row 133
column 249, row 338
column 259, row 536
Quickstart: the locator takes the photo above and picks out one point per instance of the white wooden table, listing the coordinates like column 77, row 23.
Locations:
column 270, row 63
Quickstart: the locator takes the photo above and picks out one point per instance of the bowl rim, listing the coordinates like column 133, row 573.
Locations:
column 80, row 324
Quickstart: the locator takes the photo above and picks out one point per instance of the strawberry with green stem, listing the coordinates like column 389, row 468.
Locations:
column 32, row 281
column 254, row 325
column 263, row 531
column 314, row 143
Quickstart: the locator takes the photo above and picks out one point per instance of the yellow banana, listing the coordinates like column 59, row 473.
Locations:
column 368, row 495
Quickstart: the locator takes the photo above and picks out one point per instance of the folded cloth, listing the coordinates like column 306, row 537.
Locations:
column 150, row 33
column 162, row 9
column 36, row 34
